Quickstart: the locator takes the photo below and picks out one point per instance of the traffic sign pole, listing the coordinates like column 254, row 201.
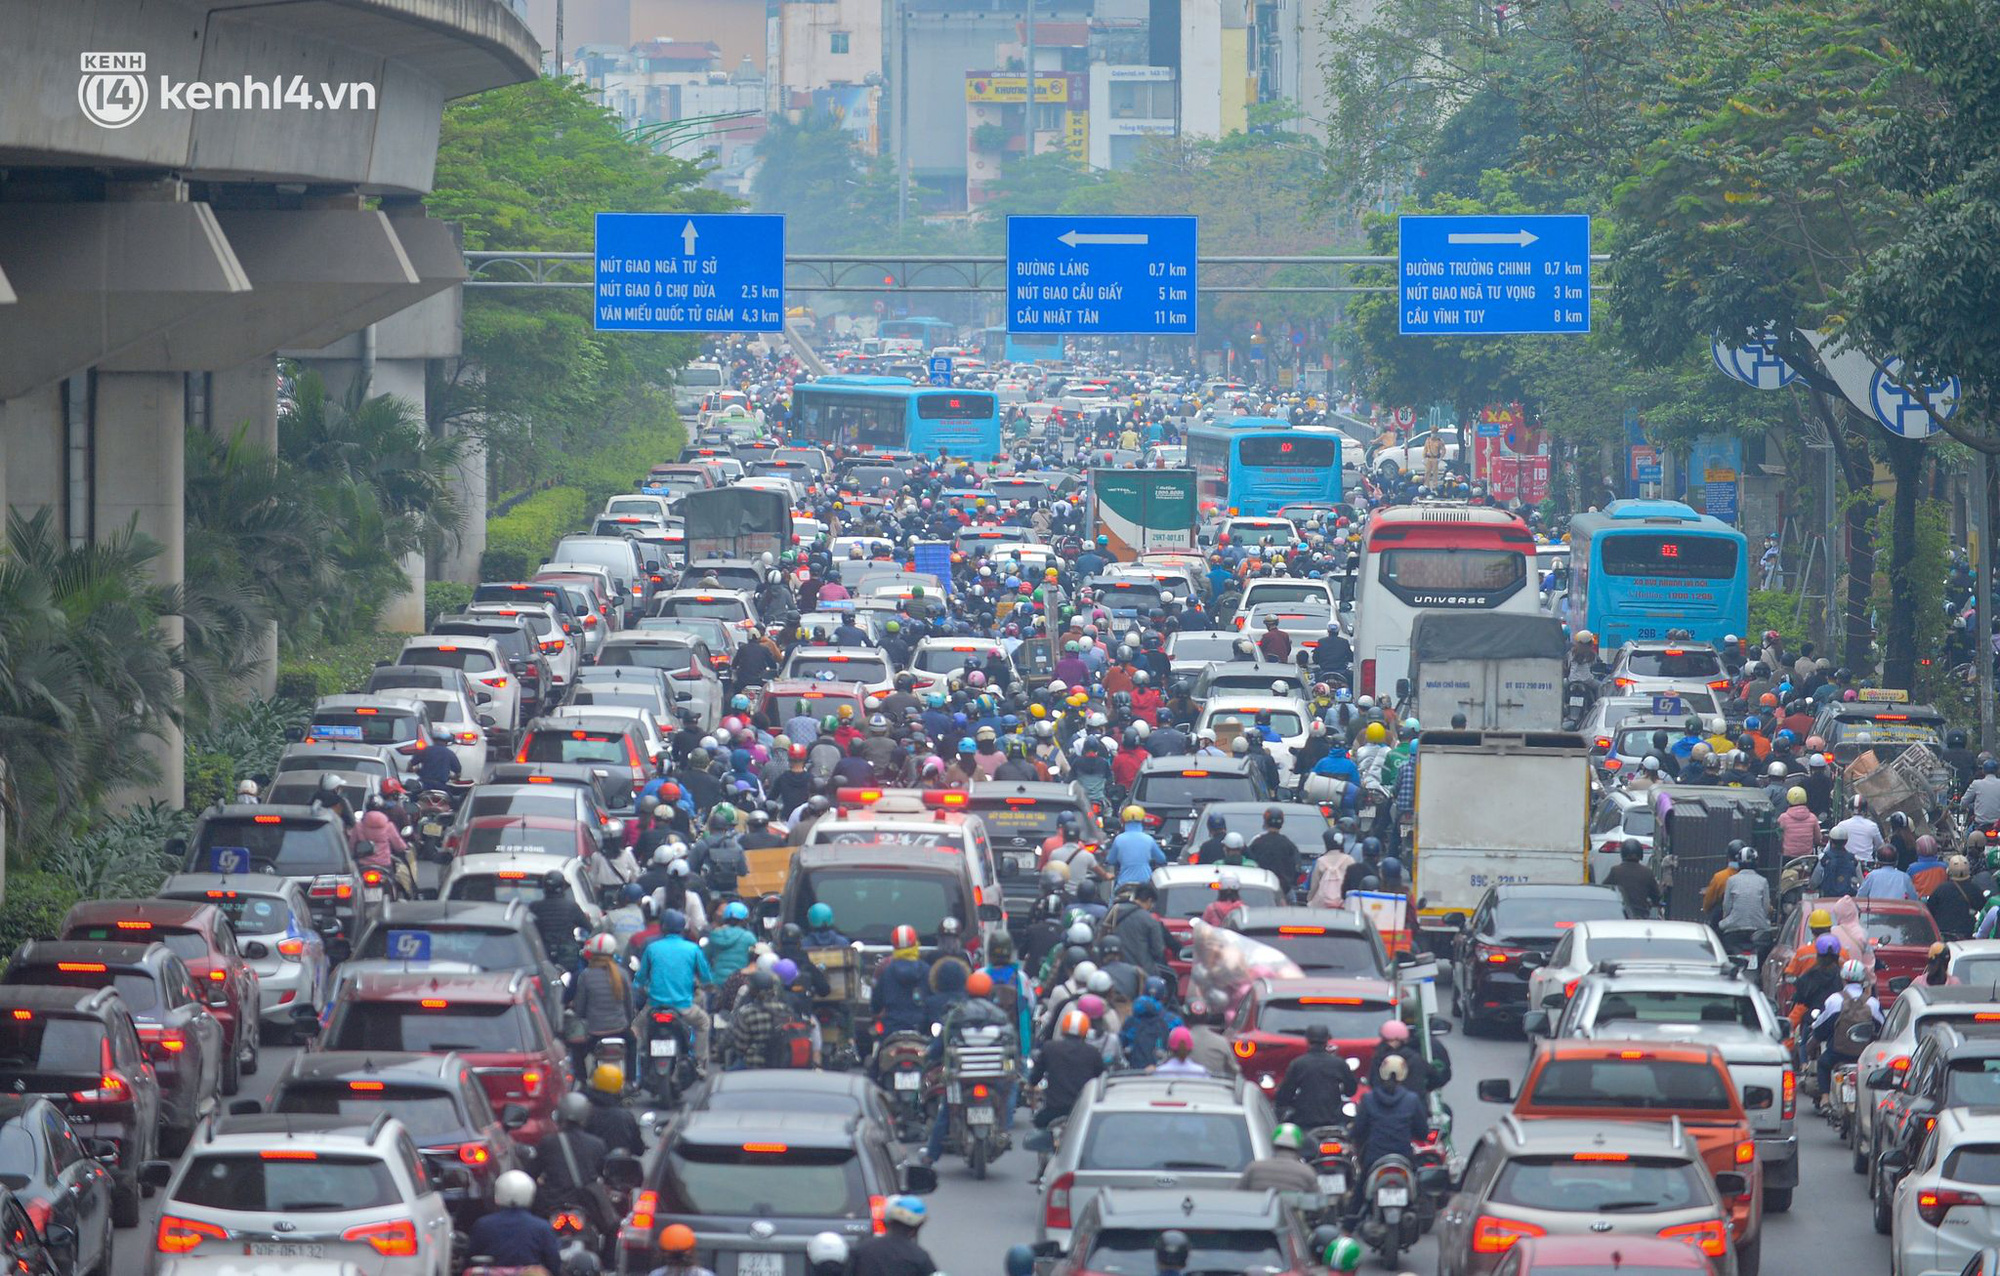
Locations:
column 1483, row 275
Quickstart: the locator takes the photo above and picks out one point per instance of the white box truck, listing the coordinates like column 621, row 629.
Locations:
column 1495, row 808
column 1503, row 672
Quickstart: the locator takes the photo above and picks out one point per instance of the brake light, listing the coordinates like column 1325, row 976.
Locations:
column 566, row 1221
column 1332, row 1148
column 878, row 1214
column 1789, row 1091
column 111, row 1088
column 475, row 1153
column 371, row 877
column 125, row 925
column 1498, row 1235
column 371, row 1086
column 288, row 1154
column 1600, row 1156
column 1302, row 930
column 40, row 1213
column 1746, row 1152
column 531, row 1082
column 1900, row 1064
column 24, row 1014
column 1720, row 684
column 1194, row 775
column 644, row 1205
column 434, row 1003
column 767, row 1149
column 945, row 797
column 1707, row 1236
column 81, row 967
column 1604, row 742
column 268, row 819
column 1055, row 1206
column 395, row 1239
column 179, row 1235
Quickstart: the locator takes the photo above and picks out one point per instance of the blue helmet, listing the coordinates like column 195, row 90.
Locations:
column 906, row 1210
column 735, row 911
column 673, row 922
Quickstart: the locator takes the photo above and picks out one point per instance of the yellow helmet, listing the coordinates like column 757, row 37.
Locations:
column 1795, row 795
column 846, row 711
column 1133, row 812
column 609, row 1078
column 1037, row 711
column 1819, row 919
column 1079, row 699
column 1376, row 733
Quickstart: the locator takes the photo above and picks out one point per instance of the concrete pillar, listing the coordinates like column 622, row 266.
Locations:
column 403, row 614
column 140, row 476
column 31, row 428
column 460, row 561
column 248, row 395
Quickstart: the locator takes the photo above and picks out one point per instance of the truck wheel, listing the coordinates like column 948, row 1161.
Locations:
column 1777, row 1199
column 1750, row 1257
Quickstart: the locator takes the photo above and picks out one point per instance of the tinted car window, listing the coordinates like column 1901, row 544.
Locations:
column 1021, row 817
column 548, row 800
column 871, row 904
column 1900, row 928
column 254, row 914
column 395, row 1025
column 1180, row 789
column 1668, row 1006
column 1590, row 1184
column 1974, row 1163
column 323, row 1184
column 184, row 944
column 365, row 728
column 486, row 949
column 18, row 1154
column 470, row 659
column 44, row 1044
column 486, row 888
column 1554, row 912
column 509, row 839
column 1343, row 1022
column 292, row 849
column 564, row 746
column 648, row 656
column 1653, row 1084
column 1642, row 948
column 429, row 1113
column 1677, row 662
column 1189, row 899
column 800, row 1182
column 1129, row 1251
column 1317, row 950
column 139, row 990
column 1163, row 1139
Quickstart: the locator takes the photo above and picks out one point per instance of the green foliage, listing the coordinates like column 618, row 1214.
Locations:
column 36, row 903
column 445, row 598
column 1773, row 609
column 334, row 668
column 519, row 540
column 251, row 735
column 529, row 167
column 124, row 857
column 208, row 778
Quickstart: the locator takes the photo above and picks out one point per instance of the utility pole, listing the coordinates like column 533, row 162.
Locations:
column 559, row 38
column 902, row 113
column 1982, row 584
column 1029, row 129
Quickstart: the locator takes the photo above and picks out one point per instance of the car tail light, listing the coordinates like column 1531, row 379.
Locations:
column 644, row 1206
column 1789, row 1093
column 1933, row 1203
column 945, row 797
column 1708, row 1236
column 878, row 1215
column 111, row 1088
column 1055, row 1207
column 41, row 1213
column 531, row 1081
column 1368, row 677
column 179, row 1235
column 475, row 1153
column 1494, row 956
column 1901, row 1063
column 395, row 1239
column 1746, row 1152
column 1498, row 1235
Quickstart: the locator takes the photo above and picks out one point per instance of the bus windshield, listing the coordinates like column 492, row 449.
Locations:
column 1668, row 554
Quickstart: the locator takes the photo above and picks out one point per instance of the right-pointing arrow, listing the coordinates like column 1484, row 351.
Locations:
column 1519, row 238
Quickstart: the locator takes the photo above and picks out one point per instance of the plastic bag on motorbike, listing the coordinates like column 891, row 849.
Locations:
column 1226, row 964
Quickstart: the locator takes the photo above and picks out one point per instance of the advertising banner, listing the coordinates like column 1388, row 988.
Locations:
column 1143, row 510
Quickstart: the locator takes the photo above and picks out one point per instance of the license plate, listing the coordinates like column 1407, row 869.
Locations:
column 433, row 829
column 663, row 1047
column 284, row 1249
column 1393, row 1196
column 908, row 1080
column 979, row 1116
column 760, row 1265
column 1847, row 1092
column 1333, row 1184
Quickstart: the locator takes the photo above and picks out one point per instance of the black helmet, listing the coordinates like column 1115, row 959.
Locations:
column 763, row 983
column 1074, row 954
column 1216, row 823
column 791, row 934
column 1630, row 850
column 1170, row 1251
column 1273, row 818
column 1371, row 847
column 553, row 882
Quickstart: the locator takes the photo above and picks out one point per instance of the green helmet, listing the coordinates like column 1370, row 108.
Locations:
column 1289, row 1137
column 916, row 591
column 1692, row 726
column 829, row 723
column 894, row 626
column 1344, row 1254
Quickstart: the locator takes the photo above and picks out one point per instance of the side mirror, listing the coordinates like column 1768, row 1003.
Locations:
column 105, row 1150
column 991, row 913
column 305, row 1022
column 58, row 1236
column 156, row 1174
column 246, row 1107
column 177, row 847
column 487, row 719
column 513, row 1116
column 1457, row 921
column 1885, row 1079
column 1047, row 1249
column 1536, row 1023
column 1896, row 1162
column 1496, row 1090
column 1440, row 1026
column 294, row 734
column 919, row 1179
column 1531, row 961
column 218, row 998
column 1730, row 1183
column 1757, row 1096
column 624, row 1171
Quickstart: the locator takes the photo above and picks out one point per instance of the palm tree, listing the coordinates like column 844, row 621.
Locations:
column 378, row 441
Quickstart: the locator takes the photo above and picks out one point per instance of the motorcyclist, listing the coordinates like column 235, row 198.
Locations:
column 1419, row 1073
column 1746, row 902
column 826, row 1255
column 976, row 1012
column 610, row 1120
column 1316, row 1084
column 558, row 919
column 1953, row 905
column 1981, row 801
column 820, row 930
column 1798, row 827
column 1633, row 880
column 670, row 970
column 895, row 1252
column 898, row 997
column 1063, row 1068
column 569, row 1164
column 728, row 945
column 1134, row 853
column 1388, row 1120
column 1285, row 1170
column 1853, row 989
column 1273, row 851
column 677, row 1247
column 754, row 1021
column 600, row 996
column 510, row 1234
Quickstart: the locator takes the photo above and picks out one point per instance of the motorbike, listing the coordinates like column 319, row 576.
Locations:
column 977, row 1079
column 1389, row 1224
column 607, row 1049
column 669, row 1067
column 1332, row 1159
column 1794, row 880
column 1578, row 695
column 898, row 1069
column 1840, row 1102
column 434, row 814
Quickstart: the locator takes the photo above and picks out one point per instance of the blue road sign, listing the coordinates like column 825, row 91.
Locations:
column 940, row 369
column 409, row 945
column 1101, row 275
column 1460, row 276
column 690, row 272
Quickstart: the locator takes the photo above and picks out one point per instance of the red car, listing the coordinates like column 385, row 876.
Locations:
column 200, row 935
column 1268, row 1031
column 493, row 1021
column 1902, row 930
column 1594, row 1255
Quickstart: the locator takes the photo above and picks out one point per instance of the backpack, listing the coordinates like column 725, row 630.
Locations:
column 790, row 1045
column 1855, row 1026
column 1837, row 871
column 1007, row 990
column 1145, row 1040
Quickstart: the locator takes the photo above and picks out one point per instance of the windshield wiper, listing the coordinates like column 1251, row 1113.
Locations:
column 1610, row 1206
column 1191, row 1165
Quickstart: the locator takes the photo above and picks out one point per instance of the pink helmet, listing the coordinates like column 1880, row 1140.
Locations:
column 1395, row 1030
column 732, row 723
column 1848, row 694
column 1092, row 1005
column 1180, row 1040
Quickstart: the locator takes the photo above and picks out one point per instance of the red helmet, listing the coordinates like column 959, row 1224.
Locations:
column 1769, row 700
column 903, row 937
column 670, row 793
column 797, row 752
column 979, row 984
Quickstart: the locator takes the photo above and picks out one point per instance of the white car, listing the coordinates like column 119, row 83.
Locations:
column 1620, row 814
column 1944, row 1215
column 1902, row 1024
column 453, row 714
column 482, row 661
column 274, row 930
column 1289, row 720
column 650, row 734
column 289, row 1188
column 501, row 879
column 864, row 665
column 1259, row 531
column 1692, row 670
column 1975, row 961
column 645, row 505
column 936, row 661
column 1588, row 943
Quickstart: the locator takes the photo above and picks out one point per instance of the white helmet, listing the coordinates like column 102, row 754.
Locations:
column 1081, row 975
column 600, row 946
column 514, row 1190
column 1079, row 933
column 1234, row 841
column 827, row 1247
column 1365, row 702
column 664, row 855
column 1099, row 982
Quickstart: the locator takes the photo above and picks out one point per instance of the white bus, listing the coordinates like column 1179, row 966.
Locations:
column 1433, row 557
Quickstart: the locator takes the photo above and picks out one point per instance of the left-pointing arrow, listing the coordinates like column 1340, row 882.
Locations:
column 687, row 239
column 1075, row 237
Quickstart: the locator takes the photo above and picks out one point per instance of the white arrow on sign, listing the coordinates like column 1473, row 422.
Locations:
column 687, row 239
column 1520, row 238
column 1075, row 237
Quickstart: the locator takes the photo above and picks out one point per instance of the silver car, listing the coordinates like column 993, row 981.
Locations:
column 275, row 932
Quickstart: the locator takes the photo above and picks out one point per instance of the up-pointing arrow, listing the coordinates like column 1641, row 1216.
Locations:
column 1519, row 238
column 687, row 239
column 1076, row 237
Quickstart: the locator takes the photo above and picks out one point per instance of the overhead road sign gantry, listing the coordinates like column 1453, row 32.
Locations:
column 690, row 272
column 1483, row 275
column 1101, row 275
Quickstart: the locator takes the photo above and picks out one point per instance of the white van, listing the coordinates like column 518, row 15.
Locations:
column 696, row 382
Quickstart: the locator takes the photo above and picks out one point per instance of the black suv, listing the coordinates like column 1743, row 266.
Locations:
column 1019, row 816
column 1514, row 925
column 79, row 1049
column 58, row 1180
column 305, row 843
column 497, row 938
column 178, row 1035
column 1172, row 790
column 1953, row 1066
column 792, row 1174
column 436, row 1096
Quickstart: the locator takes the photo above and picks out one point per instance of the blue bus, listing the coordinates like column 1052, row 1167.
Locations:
column 1639, row 568
column 997, row 345
column 931, row 331
column 889, row 413
column 1253, row 465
